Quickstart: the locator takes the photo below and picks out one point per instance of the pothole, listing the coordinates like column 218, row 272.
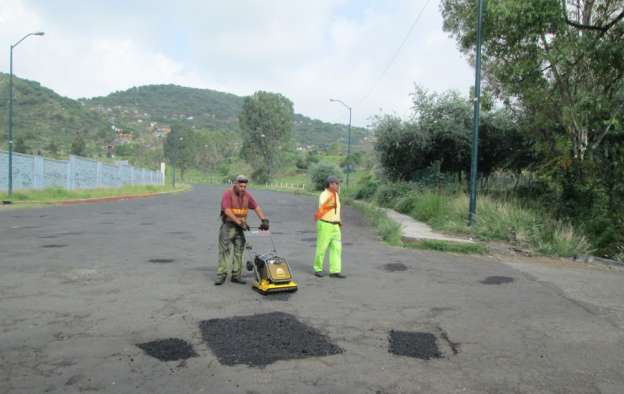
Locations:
column 393, row 267
column 497, row 280
column 260, row 340
column 54, row 246
column 422, row 345
column 170, row 349
column 161, row 261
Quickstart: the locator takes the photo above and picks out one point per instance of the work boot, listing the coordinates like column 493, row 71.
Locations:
column 239, row 280
column 337, row 275
column 319, row 274
column 219, row 281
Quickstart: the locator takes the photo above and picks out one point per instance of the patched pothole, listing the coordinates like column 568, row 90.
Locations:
column 393, row 267
column 54, row 246
column 497, row 280
column 170, row 349
column 260, row 340
column 161, row 261
column 422, row 345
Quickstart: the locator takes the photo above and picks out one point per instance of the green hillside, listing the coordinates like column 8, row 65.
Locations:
column 136, row 108
column 46, row 121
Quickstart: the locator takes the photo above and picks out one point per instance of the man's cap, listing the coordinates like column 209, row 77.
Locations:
column 331, row 179
column 241, row 179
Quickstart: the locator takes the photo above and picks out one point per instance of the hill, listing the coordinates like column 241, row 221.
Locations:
column 46, row 121
column 153, row 106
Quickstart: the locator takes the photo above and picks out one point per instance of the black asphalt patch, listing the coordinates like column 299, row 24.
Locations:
column 393, row 267
column 260, row 340
column 420, row 345
column 170, row 349
column 497, row 280
column 54, row 246
column 161, row 261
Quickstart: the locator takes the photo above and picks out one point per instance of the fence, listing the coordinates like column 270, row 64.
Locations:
column 37, row 172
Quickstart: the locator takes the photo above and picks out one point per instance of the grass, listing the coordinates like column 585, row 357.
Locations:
column 59, row 194
column 497, row 219
column 387, row 229
column 446, row 246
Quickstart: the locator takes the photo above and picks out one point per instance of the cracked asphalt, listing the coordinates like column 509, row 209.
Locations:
column 131, row 272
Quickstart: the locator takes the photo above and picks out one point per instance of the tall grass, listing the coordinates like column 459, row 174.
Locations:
column 503, row 219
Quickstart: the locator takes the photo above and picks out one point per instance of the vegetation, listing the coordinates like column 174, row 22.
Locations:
column 445, row 246
column 59, row 194
column 319, row 173
column 266, row 123
column 559, row 65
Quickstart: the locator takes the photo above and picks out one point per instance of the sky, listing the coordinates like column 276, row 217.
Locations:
column 308, row 50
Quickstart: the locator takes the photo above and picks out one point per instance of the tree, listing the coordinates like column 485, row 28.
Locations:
column 561, row 59
column 181, row 147
column 266, row 124
column 21, row 146
column 78, row 146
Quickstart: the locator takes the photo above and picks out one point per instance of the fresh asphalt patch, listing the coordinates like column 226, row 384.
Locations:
column 496, row 280
column 170, row 349
column 260, row 340
column 161, row 261
column 422, row 345
column 394, row 267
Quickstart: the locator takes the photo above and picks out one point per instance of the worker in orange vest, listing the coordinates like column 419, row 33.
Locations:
column 328, row 233
column 235, row 205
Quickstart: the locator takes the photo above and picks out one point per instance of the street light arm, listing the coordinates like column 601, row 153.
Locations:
column 341, row 102
column 39, row 33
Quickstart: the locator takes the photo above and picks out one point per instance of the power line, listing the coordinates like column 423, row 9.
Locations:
column 396, row 54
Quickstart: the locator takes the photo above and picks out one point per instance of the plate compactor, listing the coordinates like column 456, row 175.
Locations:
column 273, row 274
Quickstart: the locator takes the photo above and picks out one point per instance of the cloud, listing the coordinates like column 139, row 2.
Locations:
column 308, row 51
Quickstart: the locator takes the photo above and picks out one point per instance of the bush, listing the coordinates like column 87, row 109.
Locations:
column 366, row 187
column 388, row 193
column 260, row 175
column 319, row 173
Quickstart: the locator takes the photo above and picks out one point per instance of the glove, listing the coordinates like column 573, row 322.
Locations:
column 244, row 226
column 265, row 225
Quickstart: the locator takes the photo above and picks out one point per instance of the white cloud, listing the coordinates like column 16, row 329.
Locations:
column 309, row 51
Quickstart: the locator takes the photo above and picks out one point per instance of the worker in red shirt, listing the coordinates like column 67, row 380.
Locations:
column 235, row 205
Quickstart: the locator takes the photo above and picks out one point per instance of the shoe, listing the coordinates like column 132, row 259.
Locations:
column 219, row 281
column 238, row 280
column 319, row 274
column 337, row 275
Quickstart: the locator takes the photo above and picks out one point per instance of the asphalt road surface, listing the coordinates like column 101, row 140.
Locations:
column 82, row 286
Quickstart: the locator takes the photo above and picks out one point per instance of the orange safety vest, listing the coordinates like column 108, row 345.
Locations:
column 328, row 205
column 240, row 209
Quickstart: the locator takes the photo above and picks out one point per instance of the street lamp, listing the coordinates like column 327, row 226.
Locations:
column 40, row 33
column 348, row 139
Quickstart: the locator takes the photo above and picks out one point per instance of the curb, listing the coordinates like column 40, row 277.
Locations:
column 96, row 200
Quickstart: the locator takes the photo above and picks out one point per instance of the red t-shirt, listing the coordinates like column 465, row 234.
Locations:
column 226, row 201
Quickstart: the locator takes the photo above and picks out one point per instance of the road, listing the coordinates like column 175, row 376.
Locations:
column 78, row 292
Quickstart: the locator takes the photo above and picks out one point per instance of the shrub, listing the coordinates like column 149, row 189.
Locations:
column 388, row 193
column 260, row 175
column 319, row 173
column 367, row 187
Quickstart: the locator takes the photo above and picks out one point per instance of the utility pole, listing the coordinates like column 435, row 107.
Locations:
column 175, row 153
column 472, row 213
column 348, row 139
column 10, row 186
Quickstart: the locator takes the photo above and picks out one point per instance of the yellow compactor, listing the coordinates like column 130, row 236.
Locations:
column 272, row 272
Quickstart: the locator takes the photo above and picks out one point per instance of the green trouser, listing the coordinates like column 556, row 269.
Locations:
column 328, row 235
column 231, row 248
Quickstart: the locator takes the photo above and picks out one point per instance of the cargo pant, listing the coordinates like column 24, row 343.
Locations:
column 328, row 236
column 231, row 249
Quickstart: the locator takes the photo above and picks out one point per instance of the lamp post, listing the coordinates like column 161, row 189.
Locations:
column 348, row 139
column 40, row 33
column 472, row 210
